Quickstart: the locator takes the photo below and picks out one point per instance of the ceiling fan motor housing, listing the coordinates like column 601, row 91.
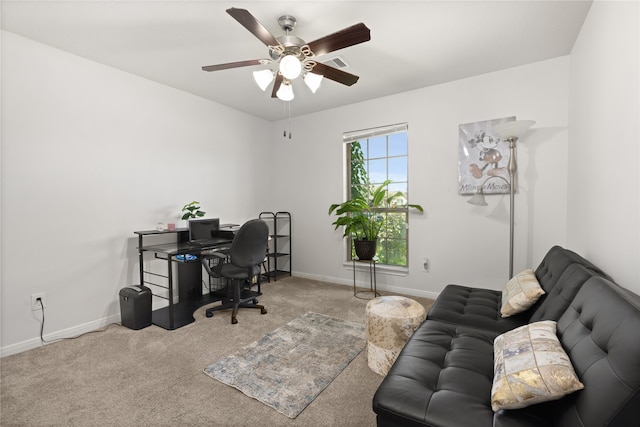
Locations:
column 287, row 22
column 289, row 45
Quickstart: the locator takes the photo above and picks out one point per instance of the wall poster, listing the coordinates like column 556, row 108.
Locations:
column 482, row 155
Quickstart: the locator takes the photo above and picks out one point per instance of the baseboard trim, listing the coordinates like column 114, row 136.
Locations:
column 388, row 288
column 115, row 318
column 58, row 335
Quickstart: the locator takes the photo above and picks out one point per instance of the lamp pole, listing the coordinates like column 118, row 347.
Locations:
column 510, row 131
column 513, row 169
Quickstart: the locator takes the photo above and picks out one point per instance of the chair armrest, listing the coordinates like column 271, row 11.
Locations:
column 219, row 259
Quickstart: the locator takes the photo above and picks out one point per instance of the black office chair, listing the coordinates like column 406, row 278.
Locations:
column 244, row 262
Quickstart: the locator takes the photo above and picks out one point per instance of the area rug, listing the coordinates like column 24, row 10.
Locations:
column 290, row 366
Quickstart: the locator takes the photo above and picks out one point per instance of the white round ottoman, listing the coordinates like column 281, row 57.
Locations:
column 390, row 322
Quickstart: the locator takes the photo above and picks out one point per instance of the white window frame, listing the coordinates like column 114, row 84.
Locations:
column 347, row 139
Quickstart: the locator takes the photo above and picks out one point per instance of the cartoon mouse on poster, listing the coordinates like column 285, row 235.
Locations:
column 489, row 155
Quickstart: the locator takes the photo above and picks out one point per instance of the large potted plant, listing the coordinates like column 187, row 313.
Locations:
column 361, row 219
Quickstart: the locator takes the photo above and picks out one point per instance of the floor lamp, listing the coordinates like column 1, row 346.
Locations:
column 510, row 132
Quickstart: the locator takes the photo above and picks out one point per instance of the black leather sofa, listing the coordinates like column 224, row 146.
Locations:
column 444, row 374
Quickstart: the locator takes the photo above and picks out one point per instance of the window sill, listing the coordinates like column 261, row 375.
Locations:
column 380, row 268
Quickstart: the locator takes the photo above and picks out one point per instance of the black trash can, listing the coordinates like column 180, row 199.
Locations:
column 135, row 307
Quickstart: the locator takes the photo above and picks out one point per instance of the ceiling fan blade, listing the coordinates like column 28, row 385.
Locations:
column 334, row 74
column 355, row 34
column 247, row 20
column 276, row 85
column 234, row 65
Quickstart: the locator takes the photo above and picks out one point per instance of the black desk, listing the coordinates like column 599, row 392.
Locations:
column 190, row 296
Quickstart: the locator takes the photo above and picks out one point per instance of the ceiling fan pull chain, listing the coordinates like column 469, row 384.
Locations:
column 284, row 113
column 287, row 116
column 289, row 105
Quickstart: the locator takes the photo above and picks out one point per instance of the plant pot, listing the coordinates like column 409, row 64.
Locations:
column 365, row 249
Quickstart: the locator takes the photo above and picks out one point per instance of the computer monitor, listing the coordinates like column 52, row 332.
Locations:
column 202, row 230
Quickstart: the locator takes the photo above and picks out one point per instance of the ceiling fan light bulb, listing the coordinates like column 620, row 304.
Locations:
column 313, row 81
column 290, row 67
column 263, row 78
column 285, row 92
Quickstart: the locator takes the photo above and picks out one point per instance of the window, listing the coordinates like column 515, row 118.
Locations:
column 374, row 156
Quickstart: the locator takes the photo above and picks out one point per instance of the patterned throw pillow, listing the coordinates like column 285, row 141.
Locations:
column 530, row 366
column 520, row 293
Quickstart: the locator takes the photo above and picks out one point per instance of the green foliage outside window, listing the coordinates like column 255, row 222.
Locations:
column 359, row 178
column 392, row 241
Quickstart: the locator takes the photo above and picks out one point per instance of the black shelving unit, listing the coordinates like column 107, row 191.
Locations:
column 279, row 257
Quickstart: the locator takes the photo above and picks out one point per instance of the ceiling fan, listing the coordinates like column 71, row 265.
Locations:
column 294, row 56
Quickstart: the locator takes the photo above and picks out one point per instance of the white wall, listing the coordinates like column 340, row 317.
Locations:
column 465, row 244
column 91, row 154
column 604, row 172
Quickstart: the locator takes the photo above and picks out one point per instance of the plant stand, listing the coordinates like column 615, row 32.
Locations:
column 372, row 292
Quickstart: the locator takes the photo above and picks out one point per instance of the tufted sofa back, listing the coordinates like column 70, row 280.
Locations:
column 599, row 328
column 556, row 261
column 557, row 298
column 601, row 333
column 561, row 274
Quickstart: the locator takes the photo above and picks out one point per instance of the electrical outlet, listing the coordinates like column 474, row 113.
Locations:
column 426, row 264
column 35, row 304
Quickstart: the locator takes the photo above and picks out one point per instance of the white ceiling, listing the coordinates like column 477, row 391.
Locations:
column 413, row 43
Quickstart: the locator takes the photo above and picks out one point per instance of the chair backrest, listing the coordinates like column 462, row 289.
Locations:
column 249, row 245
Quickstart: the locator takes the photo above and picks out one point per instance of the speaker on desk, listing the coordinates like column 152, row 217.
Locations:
column 135, row 307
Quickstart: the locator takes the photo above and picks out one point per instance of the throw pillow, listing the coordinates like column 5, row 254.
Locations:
column 520, row 293
column 530, row 366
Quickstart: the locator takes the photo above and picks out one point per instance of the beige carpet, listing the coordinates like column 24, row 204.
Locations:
column 153, row 377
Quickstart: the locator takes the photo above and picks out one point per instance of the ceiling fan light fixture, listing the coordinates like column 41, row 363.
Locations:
column 290, row 67
column 285, row 92
column 295, row 57
column 313, row 80
column 263, row 78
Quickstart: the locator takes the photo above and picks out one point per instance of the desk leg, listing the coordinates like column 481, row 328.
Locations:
column 141, row 259
column 170, row 282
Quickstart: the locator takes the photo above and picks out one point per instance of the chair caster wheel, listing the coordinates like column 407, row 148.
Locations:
column 208, row 313
column 263, row 311
column 234, row 320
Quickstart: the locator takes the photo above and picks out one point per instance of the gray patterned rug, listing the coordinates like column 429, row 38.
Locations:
column 289, row 367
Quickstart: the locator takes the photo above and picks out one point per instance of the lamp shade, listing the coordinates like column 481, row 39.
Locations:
column 290, row 67
column 513, row 129
column 263, row 78
column 285, row 92
column 313, row 81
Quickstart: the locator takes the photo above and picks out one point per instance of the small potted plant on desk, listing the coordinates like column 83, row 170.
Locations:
column 361, row 218
column 192, row 210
